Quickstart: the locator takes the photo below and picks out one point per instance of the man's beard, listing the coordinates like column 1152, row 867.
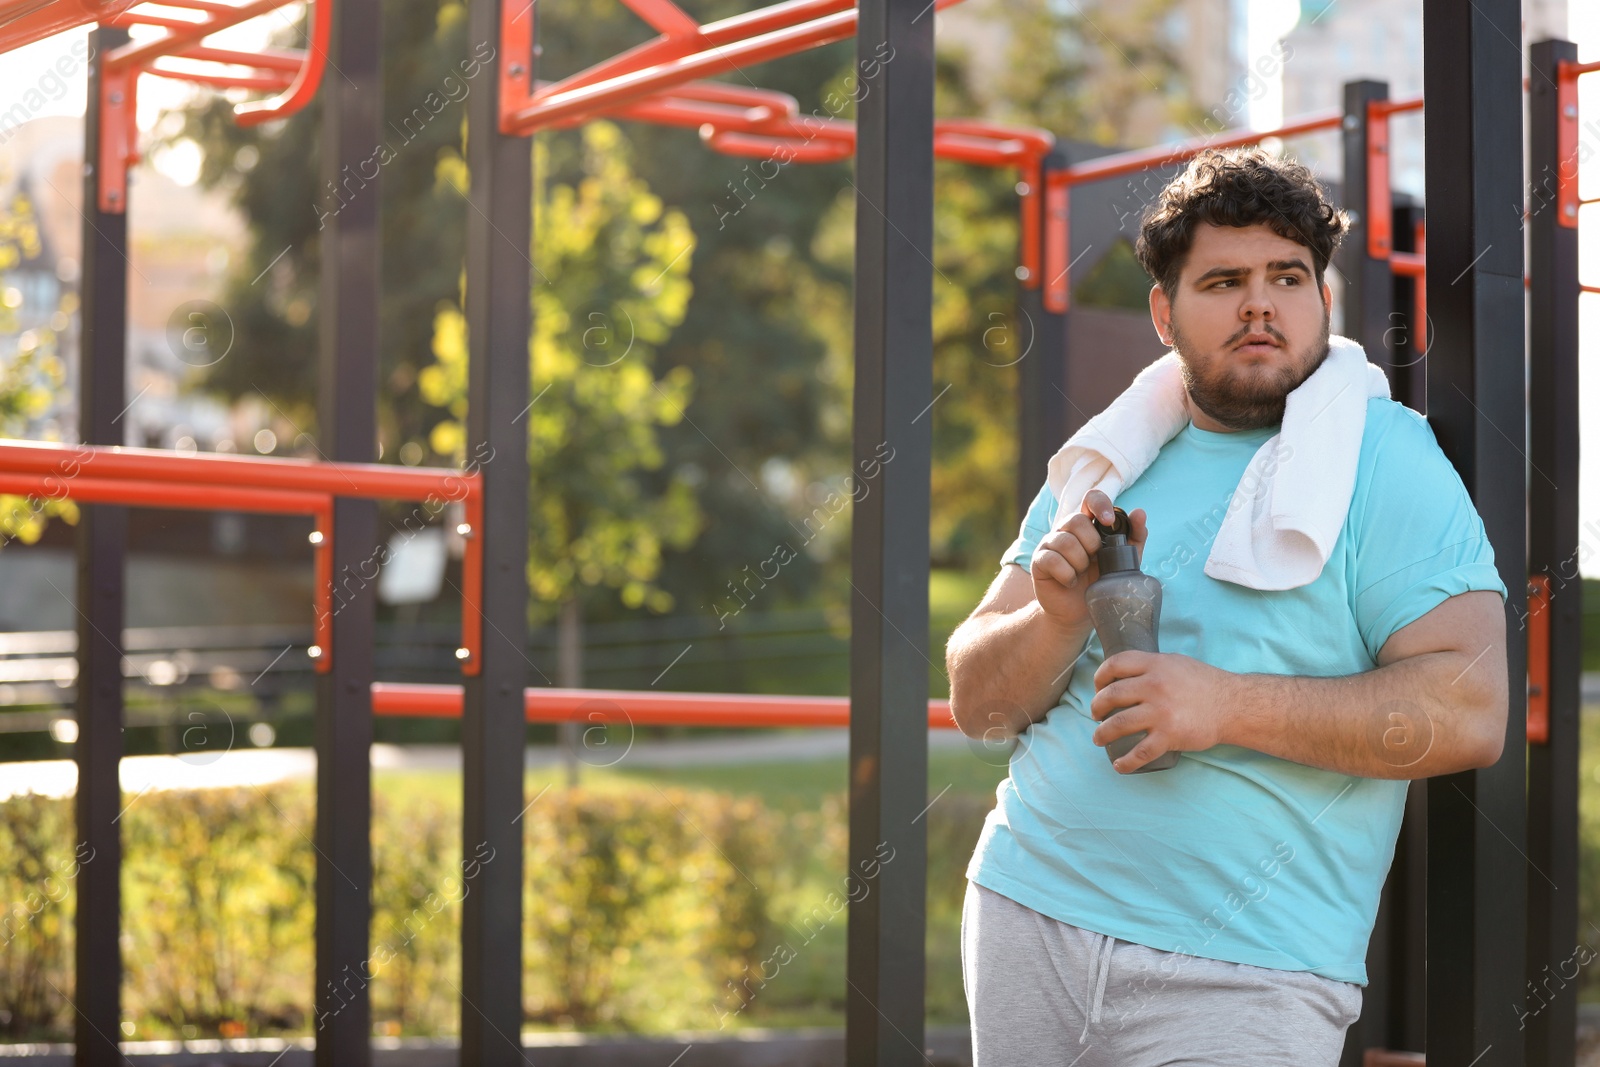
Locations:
column 1246, row 398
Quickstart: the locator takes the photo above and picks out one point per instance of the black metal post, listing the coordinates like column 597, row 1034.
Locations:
column 1553, row 935
column 1477, row 834
column 493, row 727
column 1042, row 374
column 102, row 541
column 352, row 116
column 889, row 551
column 1368, row 300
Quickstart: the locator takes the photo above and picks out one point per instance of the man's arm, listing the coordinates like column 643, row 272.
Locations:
column 1010, row 661
column 1437, row 703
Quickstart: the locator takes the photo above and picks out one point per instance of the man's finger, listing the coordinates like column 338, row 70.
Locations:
column 1142, row 753
column 1123, row 664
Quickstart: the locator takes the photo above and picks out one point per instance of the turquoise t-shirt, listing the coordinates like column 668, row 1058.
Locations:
column 1234, row 854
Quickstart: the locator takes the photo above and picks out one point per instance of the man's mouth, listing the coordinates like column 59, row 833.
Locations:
column 1256, row 345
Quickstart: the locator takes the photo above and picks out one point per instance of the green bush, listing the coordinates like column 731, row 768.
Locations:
column 218, row 898
column 37, row 887
column 625, row 886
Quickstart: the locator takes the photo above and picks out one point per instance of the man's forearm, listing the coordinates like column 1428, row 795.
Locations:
column 1415, row 718
column 1008, row 670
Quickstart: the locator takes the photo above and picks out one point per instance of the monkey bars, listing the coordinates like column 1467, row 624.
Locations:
column 147, row 477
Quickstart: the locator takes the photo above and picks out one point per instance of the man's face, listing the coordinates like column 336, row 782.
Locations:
column 1249, row 324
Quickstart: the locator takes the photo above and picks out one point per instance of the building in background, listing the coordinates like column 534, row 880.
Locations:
column 181, row 239
column 1209, row 35
column 1338, row 41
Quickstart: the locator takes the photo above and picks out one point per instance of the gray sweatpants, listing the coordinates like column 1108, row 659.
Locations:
column 1044, row 993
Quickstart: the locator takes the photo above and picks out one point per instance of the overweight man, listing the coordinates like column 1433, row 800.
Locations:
column 1218, row 912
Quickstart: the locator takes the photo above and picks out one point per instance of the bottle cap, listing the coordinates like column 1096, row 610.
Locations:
column 1116, row 553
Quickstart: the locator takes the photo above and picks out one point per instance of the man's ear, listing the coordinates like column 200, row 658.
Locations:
column 1161, row 314
column 1327, row 297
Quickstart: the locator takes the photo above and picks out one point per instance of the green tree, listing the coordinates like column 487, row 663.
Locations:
column 31, row 373
column 617, row 268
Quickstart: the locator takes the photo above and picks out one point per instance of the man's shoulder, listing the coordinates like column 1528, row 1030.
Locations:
column 1401, row 458
column 1394, row 431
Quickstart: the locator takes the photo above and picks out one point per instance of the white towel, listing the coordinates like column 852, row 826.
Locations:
column 1279, row 532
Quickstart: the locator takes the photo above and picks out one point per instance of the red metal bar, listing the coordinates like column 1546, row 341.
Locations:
column 372, row 481
column 471, row 585
column 1589, row 288
column 630, row 86
column 1380, row 206
column 786, row 150
column 1391, row 107
column 1567, row 140
column 101, row 490
column 1539, row 659
column 139, row 53
column 712, row 34
column 630, row 83
column 641, row 708
column 1133, row 162
column 1419, row 237
column 92, row 489
column 1409, row 264
column 135, row 18
column 322, row 603
column 266, row 59
column 306, row 80
column 1028, row 193
column 119, row 136
column 34, row 20
column 266, row 82
column 1057, row 284
column 211, row 6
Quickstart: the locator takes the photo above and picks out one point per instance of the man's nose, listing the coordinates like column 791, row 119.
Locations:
column 1257, row 303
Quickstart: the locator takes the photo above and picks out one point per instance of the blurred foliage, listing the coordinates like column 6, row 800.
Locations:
column 648, row 906
column 613, row 273
column 644, row 883
column 36, row 886
column 218, row 898
column 32, row 371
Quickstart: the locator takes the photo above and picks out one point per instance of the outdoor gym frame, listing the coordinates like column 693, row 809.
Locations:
column 1479, row 961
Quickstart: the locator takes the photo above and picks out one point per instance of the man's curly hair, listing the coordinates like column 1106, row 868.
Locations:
column 1237, row 187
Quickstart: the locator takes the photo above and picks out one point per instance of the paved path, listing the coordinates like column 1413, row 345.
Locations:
column 258, row 766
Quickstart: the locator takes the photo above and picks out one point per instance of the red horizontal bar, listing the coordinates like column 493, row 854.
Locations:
column 1572, row 70
column 266, row 82
column 567, row 99
column 163, row 494
column 641, row 708
column 1589, row 288
column 1392, row 107
column 373, row 481
column 266, row 59
column 1116, row 166
column 1407, row 263
column 166, row 22
column 712, row 34
column 632, row 85
column 34, row 20
column 141, row 53
column 214, row 7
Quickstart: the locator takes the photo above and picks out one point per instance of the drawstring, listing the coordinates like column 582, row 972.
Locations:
column 1097, row 983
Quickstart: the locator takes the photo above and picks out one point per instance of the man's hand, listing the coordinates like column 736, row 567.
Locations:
column 1181, row 701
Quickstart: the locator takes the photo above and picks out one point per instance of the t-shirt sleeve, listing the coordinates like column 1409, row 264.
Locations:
column 1418, row 537
column 1035, row 524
